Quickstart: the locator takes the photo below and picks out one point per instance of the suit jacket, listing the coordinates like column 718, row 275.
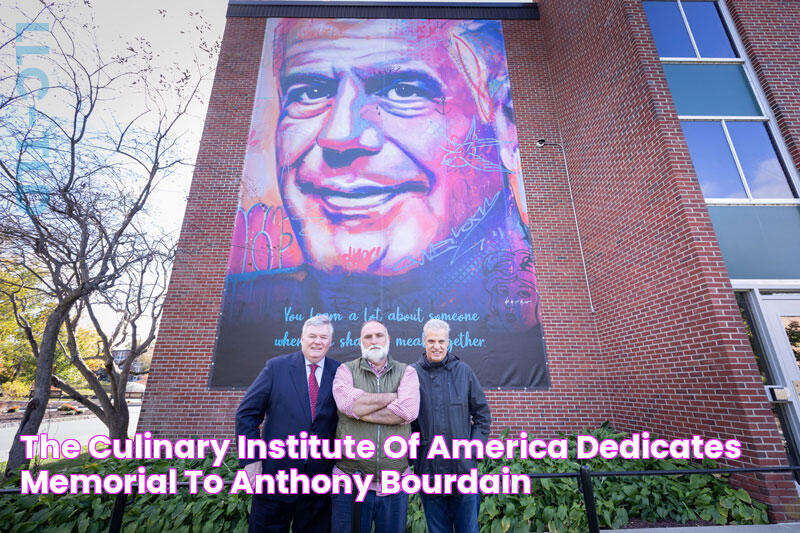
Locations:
column 281, row 393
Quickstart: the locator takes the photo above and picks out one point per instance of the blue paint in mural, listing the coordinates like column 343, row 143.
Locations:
column 382, row 181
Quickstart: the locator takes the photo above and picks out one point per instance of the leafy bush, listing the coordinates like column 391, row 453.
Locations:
column 16, row 389
column 553, row 505
column 89, row 513
column 69, row 409
column 557, row 505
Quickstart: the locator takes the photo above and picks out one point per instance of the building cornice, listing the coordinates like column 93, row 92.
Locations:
column 385, row 10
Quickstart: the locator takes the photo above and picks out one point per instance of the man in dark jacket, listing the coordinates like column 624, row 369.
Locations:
column 452, row 404
column 295, row 393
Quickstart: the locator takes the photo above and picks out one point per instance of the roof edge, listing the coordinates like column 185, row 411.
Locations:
column 383, row 10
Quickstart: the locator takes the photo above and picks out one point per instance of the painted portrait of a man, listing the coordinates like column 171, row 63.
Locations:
column 383, row 181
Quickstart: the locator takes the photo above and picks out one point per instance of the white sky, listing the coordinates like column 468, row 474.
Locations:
column 119, row 23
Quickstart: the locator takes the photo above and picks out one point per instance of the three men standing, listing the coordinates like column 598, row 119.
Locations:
column 452, row 404
column 377, row 398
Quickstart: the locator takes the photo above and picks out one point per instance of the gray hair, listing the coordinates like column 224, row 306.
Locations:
column 436, row 324
column 318, row 320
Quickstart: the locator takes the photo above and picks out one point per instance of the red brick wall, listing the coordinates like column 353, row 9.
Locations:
column 577, row 397
column 178, row 402
column 677, row 357
column 665, row 349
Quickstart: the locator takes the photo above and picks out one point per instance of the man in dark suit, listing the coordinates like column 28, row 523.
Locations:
column 294, row 392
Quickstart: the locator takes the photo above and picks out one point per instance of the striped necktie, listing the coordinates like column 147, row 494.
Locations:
column 313, row 389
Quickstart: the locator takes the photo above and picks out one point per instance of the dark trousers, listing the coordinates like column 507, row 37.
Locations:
column 451, row 512
column 309, row 513
column 388, row 513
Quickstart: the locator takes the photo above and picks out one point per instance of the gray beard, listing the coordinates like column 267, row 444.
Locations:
column 375, row 353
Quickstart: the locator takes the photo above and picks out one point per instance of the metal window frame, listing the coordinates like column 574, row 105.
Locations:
column 774, row 365
column 758, row 302
column 768, row 117
column 736, row 161
column 784, row 158
column 703, row 60
column 688, row 29
column 789, row 285
column 754, row 201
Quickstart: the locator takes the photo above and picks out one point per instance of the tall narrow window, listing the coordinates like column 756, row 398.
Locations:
column 729, row 135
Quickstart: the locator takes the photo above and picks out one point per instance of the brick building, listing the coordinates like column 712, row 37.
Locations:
column 659, row 143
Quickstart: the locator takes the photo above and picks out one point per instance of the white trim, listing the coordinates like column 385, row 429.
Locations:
column 780, row 350
column 761, row 312
column 758, row 314
column 754, row 201
column 703, row 60
column 729, row 118
column 768, row 117
column 775, row 296
column 765, row 284
column 688, row 29
column 736, row 160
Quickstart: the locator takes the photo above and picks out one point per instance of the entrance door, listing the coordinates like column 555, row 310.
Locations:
column 782, row 317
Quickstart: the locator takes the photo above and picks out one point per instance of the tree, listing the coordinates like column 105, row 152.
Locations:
column 137, row 300
column 23, row 313
column 20, row 311
column 793, row 332
column 77, row 170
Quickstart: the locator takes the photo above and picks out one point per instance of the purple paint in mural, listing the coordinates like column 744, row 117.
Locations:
column 388, row 159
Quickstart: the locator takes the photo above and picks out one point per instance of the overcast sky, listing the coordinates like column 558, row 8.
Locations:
column 167, row 26
column 120, row 22
column 169, row 31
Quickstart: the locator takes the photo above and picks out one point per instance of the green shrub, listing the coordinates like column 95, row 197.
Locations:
column 553, row 505
column 557, row 504
column 88, row 513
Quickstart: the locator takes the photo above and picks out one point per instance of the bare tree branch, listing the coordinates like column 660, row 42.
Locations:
column 75, row 185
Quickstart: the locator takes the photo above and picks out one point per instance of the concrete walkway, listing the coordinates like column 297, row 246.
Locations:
column 82, row 429
column 771, row 528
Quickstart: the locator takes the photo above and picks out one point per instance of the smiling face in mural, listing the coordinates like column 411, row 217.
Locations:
column 388, row 137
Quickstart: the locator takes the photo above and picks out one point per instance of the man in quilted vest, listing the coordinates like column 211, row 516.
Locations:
column 377, row 398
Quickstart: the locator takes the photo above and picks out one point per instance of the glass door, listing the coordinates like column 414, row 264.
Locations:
column 782, row 317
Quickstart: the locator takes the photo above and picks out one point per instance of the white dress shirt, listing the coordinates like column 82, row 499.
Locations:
column 318, row 372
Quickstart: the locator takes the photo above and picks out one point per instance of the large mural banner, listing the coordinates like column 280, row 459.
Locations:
column 382, row 181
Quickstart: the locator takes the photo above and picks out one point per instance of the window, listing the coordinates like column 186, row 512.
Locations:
column 711, row 89
column 731, row 138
